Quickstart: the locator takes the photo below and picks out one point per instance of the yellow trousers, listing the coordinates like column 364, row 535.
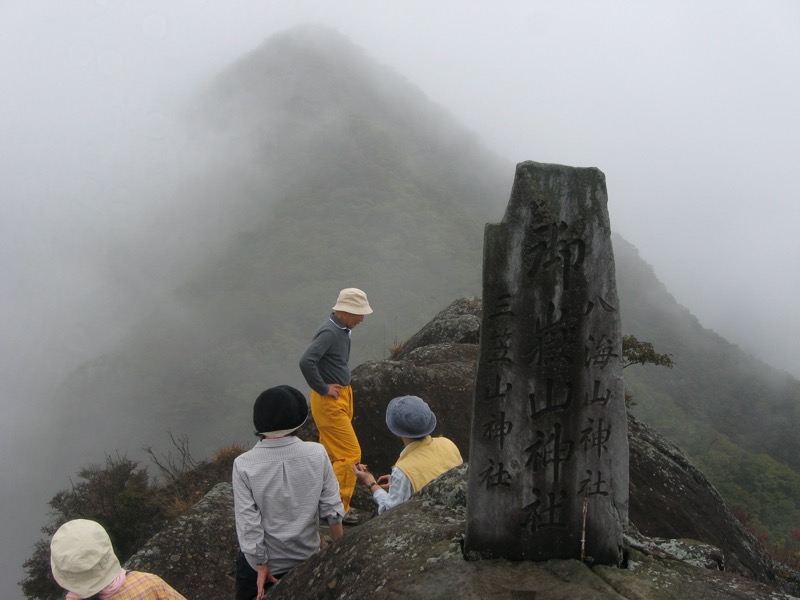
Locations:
column 334, row 420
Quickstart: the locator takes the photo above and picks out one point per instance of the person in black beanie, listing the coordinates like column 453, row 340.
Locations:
column 282, row 487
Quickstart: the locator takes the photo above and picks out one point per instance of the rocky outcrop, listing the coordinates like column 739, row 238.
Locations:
column 414, row 551
column 196, row 554
column 438, row 364
column 669, row 497
column 682, row 542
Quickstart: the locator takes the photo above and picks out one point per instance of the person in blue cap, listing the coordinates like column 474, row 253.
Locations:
column 422, row 460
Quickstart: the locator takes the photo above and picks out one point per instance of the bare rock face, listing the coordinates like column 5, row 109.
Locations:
column 549, row 444
column 196, row 554
column 438, row 364
column 414, row 551
column 682, row 542
column 669, row 497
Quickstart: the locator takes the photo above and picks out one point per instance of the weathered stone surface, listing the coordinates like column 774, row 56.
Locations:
column 670, row 498
column 459, row 323
column 196, row 554
column 549, row 443
column 415, row 551
column 438, row 364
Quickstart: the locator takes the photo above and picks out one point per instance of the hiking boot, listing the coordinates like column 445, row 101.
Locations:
column 351, row 517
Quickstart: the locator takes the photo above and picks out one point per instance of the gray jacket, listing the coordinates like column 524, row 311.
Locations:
column 325, row 361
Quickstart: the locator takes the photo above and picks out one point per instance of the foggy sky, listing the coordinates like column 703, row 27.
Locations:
column 688, row 107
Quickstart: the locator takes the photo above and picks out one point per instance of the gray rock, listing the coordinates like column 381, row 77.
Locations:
column 459, row 323
column 549, row 441
column 670, row 498
column 682, row 542
column 195, row 554
column 414, row 551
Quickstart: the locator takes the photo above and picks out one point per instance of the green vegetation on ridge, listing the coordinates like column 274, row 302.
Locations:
column 732, row 415
column 343, row 174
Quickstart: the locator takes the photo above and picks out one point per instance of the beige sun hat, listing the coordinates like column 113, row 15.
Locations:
column 82, row 558
column 353, row 301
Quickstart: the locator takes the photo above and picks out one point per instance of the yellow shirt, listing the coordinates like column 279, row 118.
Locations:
column 142, row 586
column 424, row 460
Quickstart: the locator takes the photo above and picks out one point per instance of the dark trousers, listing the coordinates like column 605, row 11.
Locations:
column 247, row 579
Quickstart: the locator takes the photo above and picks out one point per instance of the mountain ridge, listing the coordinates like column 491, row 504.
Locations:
column 395, row 205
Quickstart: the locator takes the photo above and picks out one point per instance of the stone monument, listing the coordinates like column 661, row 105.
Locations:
column 548, row 475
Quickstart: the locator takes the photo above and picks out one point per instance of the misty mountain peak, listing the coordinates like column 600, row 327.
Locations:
column 308, row 72
column 312, row 83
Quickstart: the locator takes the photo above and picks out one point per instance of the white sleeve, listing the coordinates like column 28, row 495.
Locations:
column 249, row 529
column 399, row 492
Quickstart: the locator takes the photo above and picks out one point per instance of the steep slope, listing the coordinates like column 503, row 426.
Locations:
column 714, row 381
column 334, row 172
column 735, row 416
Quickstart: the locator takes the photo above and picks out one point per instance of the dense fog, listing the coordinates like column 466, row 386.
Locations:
column 690, row 111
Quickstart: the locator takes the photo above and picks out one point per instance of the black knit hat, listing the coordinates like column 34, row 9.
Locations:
column 280, row 410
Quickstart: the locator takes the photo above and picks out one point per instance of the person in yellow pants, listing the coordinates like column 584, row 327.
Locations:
column 334, row 419
column 325, row 367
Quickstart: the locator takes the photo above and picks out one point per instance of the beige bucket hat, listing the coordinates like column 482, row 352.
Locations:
column 82, row 558
column 353, row 301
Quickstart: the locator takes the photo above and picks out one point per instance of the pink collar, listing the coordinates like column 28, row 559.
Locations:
column 108, row 591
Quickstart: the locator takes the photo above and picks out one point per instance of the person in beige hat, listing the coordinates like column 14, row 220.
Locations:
column 83, row 563
column 326, row 369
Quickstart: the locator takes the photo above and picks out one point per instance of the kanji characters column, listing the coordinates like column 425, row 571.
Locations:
column 549, row 428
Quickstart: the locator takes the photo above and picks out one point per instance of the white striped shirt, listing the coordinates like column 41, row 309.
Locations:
column 281, row 488
column 399, row 491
